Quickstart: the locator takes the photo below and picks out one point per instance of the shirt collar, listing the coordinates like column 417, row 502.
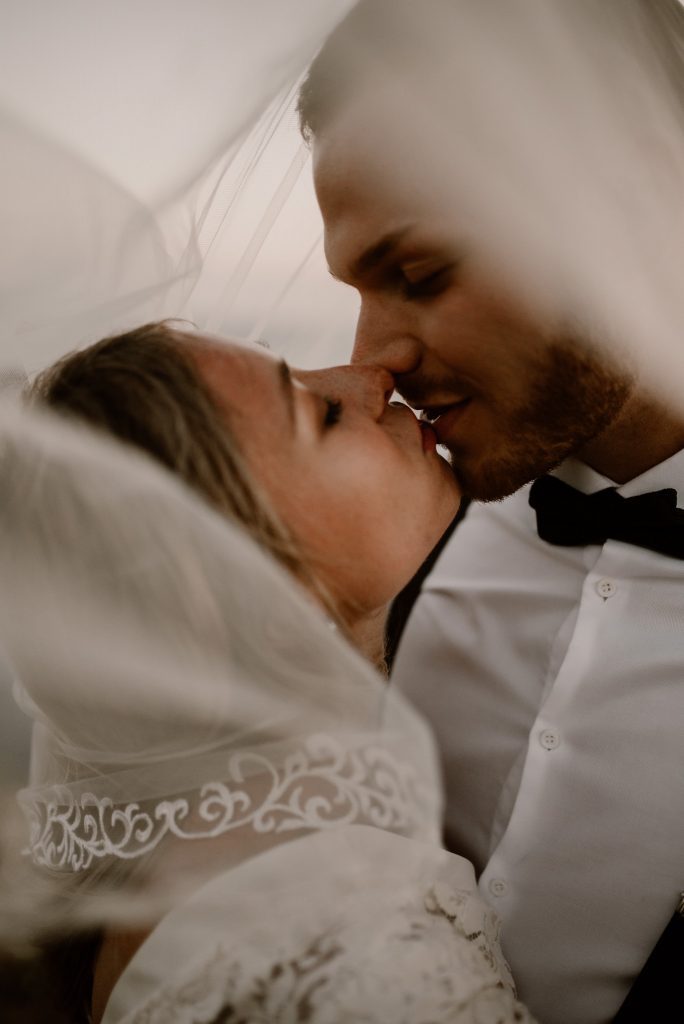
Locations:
column 669, row 473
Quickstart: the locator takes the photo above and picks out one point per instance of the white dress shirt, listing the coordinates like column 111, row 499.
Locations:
column 554, row 678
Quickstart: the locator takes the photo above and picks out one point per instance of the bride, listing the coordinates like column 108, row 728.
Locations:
column 347, row 491
column 224, row 794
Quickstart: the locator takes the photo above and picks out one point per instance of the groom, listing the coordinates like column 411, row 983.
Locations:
column 552, row 666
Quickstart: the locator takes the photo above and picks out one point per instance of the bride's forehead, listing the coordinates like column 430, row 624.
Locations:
column 232, row 366
column 218, row 343
column 216, row 349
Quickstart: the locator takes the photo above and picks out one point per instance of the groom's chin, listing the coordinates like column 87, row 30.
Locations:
column 497, row 478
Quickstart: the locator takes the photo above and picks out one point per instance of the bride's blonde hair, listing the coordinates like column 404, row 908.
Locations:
column 142, row 387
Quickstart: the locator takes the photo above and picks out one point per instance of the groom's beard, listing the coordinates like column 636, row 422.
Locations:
column 567, row 403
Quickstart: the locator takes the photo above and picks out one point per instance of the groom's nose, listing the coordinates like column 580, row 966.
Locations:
column 366, row 388
column 386, row 337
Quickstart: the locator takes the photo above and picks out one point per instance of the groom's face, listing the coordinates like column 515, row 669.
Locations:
column 512, row 397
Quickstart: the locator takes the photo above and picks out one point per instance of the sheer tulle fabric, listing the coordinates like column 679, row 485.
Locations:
column 208, row 752
column 552, row 131
column 186, row 694
column 152, row 167
column 182, row 686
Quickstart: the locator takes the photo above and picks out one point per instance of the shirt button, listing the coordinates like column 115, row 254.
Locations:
column 606, row 589
column 549, row 739
column 498, row 887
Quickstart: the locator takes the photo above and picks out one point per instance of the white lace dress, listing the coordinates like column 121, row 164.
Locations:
column 306, row 933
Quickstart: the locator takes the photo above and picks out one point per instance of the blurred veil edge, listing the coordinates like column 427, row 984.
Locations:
column 158, row 651
column 553, row 130
column 551, row 135
column 105, row 159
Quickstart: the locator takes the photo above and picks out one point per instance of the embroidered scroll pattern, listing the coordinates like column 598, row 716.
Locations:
column 322, row 784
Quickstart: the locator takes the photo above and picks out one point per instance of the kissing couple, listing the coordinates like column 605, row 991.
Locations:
column 247, row 817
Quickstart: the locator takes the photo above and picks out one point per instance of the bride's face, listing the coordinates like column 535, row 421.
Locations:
column 357, row 481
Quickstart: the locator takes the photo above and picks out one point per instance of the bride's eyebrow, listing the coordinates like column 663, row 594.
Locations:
column 287, row 390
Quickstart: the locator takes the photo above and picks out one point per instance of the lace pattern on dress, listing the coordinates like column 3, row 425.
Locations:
column 439, row 964
column 322, row 784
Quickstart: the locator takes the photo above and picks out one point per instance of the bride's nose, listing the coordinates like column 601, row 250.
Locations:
column 366, row 388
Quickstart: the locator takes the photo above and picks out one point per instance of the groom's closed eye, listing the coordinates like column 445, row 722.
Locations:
column 424, row 281
column 372, row 258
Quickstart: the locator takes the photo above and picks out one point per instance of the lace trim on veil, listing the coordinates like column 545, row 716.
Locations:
column 320, row 785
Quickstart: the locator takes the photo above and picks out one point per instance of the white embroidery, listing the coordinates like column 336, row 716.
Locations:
column 321, row 785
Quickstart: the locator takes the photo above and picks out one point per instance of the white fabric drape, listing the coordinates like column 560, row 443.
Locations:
column 130, row 136
column 151, row 167
column 132, row 188
column 181, row 685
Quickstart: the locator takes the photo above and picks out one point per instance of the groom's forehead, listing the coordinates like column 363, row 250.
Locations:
column 358, row 209
column 367, row 159
column 369, row 192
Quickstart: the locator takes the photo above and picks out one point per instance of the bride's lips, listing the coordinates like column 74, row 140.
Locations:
column 428, row 433
column 429, row 436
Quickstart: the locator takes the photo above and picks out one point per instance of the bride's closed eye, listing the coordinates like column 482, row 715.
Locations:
column 333, row 411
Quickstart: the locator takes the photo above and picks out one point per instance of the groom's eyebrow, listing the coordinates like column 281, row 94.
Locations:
column 287, row 390
column 379, row 251
column 375, row 254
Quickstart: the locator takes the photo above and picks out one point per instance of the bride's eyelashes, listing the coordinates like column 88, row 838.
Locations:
column 333, row 411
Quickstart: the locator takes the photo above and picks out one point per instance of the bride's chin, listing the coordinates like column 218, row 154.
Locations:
column 448, row 503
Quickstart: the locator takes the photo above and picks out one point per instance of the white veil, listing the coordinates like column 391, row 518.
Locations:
column 150, row 640
column 182, row 685
column 152, row 167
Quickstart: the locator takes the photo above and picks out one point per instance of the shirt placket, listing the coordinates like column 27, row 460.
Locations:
column 573, row 654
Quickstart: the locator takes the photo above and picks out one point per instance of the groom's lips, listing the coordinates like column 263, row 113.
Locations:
column 443, row 418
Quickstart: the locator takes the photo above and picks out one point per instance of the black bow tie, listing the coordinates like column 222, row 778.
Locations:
column 568, row 517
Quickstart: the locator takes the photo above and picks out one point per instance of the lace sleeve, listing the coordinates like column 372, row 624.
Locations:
column 430, row 957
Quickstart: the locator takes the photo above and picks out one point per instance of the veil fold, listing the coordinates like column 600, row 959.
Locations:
column 156, row 649
column 123, row 130
column 151, row 166
column 183, row 687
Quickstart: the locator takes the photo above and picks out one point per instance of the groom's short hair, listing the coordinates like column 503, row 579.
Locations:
column 411, row 39
column 374, row 36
